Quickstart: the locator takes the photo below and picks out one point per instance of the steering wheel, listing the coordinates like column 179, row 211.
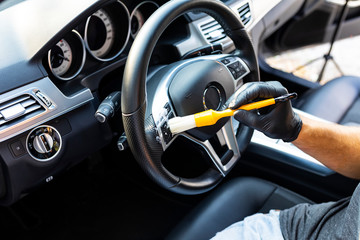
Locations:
column 183, row 88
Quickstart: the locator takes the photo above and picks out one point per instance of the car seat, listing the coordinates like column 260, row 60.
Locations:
column 336, row 101
column 232, row 202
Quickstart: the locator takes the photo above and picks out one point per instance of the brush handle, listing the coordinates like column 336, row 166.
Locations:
column 257, row 105
column 210, row 117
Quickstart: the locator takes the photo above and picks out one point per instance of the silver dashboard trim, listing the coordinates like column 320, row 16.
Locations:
column 61, row 104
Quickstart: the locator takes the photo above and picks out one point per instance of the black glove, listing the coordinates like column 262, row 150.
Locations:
column 278, row 122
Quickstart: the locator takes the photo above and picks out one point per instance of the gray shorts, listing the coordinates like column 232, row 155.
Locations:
column 257, row 226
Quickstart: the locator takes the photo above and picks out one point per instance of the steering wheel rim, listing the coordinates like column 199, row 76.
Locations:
column 141, row 132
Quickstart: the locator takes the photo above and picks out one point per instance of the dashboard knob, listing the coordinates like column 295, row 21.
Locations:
column 43, row 143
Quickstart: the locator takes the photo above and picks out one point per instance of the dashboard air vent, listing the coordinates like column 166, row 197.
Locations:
column 245, row 14
column 214, row 33
column 19, row 109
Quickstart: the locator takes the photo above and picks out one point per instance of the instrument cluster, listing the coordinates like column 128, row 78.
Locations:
column 103, row 36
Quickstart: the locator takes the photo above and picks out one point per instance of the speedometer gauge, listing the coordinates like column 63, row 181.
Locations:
column 60, row 57
column 101, row 37
column 67, row 57
column 107, row 31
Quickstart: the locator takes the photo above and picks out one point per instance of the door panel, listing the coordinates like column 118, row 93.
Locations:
column 316, row 23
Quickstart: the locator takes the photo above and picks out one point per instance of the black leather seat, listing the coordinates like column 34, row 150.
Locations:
column 336, row 101
column 232, row 202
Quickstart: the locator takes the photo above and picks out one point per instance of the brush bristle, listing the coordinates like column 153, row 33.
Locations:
column 181, row 124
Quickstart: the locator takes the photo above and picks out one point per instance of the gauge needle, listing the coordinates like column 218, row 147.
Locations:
column 61, row 56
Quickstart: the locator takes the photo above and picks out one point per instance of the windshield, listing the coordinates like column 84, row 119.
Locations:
column 4, row 4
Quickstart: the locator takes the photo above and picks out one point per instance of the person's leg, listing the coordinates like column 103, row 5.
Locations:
column 257, row 226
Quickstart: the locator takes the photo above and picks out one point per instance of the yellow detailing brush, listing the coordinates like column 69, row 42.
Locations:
column 210, row 117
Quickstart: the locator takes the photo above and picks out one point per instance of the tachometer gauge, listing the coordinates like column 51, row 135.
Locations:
column 67, row 57
column 101, row 33
column 107, row 31
column 140, row 14
column 137, row 21
column 60, row 57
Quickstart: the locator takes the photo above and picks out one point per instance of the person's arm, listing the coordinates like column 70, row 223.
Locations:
column 336, row 146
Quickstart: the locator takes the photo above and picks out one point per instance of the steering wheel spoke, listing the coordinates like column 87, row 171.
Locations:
column 230, row 153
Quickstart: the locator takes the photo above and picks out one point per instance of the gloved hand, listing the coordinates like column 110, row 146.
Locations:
column 278, row 122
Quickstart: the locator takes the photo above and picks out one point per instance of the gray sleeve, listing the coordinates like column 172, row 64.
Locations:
column 332, row 220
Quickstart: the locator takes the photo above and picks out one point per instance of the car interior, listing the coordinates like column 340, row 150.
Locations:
column 86, row 92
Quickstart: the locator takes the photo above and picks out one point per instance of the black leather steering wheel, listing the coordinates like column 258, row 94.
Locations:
column 182, row 88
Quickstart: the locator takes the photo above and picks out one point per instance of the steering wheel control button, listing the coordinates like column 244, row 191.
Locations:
column 225, row 61
column 163, row 115
column 17, row 148
column 165, row 130
column 168, row 108
column 237, row 68
column 43, row 143
column 233, row 72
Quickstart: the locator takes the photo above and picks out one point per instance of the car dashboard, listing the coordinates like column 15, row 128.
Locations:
column 62, row 58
